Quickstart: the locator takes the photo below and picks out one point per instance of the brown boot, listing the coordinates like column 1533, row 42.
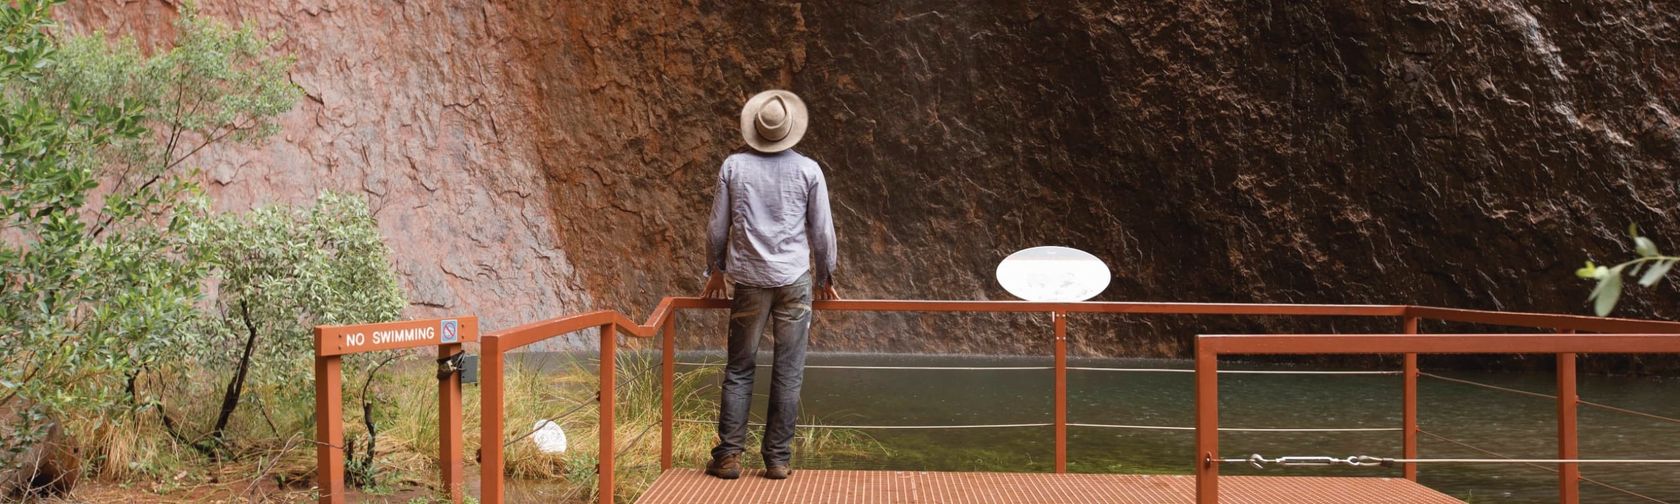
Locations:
column 728, row 467
column 778, row 472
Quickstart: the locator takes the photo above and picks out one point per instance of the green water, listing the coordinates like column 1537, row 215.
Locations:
column 1510, row 424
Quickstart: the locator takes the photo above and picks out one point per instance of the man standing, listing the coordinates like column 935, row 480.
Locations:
column 770, row 216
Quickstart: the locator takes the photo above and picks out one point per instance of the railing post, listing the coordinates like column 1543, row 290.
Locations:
column 667, row 381
column 1061, row 390
column 609, row 372
column 329, row 431
column 1569, row 474
column 490, row 427
column 1409, row 407
column 1207, row 425
column 449, row 427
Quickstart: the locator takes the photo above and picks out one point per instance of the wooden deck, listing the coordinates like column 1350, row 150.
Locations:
column 689, row 486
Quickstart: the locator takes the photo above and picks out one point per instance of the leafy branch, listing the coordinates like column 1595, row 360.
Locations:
column 1650, row 267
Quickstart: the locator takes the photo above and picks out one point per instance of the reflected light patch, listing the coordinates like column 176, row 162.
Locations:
column 1053, row 274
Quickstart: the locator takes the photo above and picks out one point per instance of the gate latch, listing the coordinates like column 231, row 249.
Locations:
column 466, row 365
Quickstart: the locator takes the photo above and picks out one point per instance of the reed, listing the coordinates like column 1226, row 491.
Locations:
column 561, row 388
column 270, row 454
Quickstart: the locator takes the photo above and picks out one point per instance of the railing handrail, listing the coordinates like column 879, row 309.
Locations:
column 1314, row 344
column 612, row 323
column 536, row 331
column 1209, row 347
column 1544, row 320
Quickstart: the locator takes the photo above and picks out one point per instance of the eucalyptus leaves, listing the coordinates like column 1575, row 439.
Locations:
column 1650, row 268
column 125, row 301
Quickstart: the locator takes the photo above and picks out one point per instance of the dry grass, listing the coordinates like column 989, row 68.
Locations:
column 565, row 393
column 136, row 460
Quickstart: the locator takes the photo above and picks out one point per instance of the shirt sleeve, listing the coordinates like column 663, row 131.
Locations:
column 819, row 226
column 717, row 231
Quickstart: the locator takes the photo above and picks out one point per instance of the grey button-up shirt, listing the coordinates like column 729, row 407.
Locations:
column 769, row 216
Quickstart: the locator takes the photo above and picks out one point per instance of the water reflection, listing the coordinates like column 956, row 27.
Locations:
column 1509, row 424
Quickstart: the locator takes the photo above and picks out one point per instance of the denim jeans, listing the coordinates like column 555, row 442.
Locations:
column 789, row 309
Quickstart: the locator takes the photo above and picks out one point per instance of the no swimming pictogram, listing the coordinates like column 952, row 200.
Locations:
column 450, row 331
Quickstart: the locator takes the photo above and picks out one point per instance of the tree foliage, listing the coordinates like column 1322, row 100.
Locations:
column 1650, row 268
column 113, row 269
column 280, row 271
column 73, row 305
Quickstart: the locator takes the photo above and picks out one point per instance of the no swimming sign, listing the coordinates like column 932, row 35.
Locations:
column 348, row 339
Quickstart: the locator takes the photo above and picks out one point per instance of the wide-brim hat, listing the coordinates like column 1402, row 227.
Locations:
column 774, row 120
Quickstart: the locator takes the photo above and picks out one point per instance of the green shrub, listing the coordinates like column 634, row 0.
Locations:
column 107, row 247
column 279, row 271
column 83, row 285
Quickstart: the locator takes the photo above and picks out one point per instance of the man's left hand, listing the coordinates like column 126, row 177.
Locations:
column 716, row 287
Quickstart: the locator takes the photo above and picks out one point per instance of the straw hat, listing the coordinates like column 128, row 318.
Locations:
column 774, row 120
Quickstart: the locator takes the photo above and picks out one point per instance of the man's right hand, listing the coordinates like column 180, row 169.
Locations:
column 828, row 292
column 716, row 287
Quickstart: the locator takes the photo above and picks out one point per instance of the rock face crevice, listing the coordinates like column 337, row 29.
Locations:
column 538, row 158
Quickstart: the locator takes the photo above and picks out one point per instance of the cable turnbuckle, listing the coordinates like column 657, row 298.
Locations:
column 1260, row 462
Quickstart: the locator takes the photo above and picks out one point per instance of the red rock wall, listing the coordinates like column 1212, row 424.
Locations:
column 535, row 158
column 426, row 109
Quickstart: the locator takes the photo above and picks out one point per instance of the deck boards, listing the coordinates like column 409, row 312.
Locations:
column 688, row 486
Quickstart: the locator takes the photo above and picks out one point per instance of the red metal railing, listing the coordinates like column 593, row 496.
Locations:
column 1565, row 346
column 662, row 323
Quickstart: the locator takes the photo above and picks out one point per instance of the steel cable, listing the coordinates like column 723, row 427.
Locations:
column 1532, row 461
column 1626, row 411
column 1237, row 429
column 1582, row 402
column 1071, row 368
column 1487, row 386
column 862, row 427
column 1549, row 469
column 1233, row 371
column 1015, row 425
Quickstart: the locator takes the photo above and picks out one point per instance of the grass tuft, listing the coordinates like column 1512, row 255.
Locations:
column 270, row 454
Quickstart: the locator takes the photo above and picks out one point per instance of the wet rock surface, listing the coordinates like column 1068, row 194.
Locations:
column 539, row 158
